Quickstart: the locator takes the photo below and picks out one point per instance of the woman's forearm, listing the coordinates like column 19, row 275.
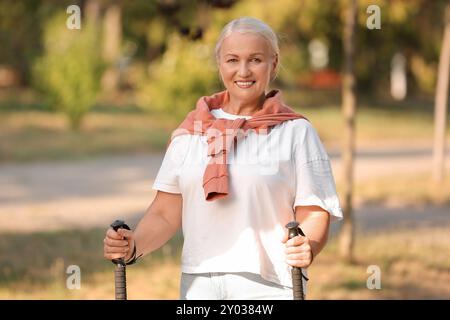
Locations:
column 152, row 232
column 160, row 222
column 315, row 222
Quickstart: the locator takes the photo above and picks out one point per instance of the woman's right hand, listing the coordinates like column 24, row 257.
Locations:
column 118, row 244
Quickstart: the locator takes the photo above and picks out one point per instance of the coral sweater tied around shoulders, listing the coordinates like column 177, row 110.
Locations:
column 222, row 134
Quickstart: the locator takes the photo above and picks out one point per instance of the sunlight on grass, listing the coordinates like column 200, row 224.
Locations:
column 32, row 135
column 413, row 265
column 145, row 281
column 417, row 189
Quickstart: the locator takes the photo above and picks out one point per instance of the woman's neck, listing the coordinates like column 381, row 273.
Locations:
column 243, row 108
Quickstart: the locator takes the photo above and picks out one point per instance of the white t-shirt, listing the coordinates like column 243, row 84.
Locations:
column 269, row 175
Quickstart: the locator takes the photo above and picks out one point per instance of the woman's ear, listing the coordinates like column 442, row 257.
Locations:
column 273, row 72
column 221, row 78
column 275, row 61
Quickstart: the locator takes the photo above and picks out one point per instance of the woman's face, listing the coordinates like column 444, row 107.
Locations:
column 246, row 64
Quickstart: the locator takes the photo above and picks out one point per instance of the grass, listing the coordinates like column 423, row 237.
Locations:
column 411, row 267
column 377, row 119
column 29, row 131
column 34, row 135
column 34, row 266
column 413, row 189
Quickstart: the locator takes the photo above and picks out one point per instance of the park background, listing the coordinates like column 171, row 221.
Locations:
column 86, row 113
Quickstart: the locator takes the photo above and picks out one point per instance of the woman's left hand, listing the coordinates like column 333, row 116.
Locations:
column 298, row 251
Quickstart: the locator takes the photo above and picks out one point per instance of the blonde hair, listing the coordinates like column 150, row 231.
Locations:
column 253, row 26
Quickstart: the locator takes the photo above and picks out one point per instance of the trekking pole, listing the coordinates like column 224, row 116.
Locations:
column 297, row 274
column 120, row 275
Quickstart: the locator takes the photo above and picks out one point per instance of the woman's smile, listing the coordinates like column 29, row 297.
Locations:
column 245, row 84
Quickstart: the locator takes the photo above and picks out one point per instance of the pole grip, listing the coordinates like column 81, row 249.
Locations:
column 120, row 279
column 297, row 275
column 120, row 273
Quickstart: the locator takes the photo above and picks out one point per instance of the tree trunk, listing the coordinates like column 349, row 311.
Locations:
column 440, row 107
column 346, row 241
column 92, row 9
column 112, row 39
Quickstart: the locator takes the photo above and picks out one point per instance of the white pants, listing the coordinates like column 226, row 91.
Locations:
column 231, row 286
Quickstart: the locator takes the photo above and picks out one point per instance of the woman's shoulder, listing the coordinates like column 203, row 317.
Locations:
column 298, row 126
column 303, row 133
column 179, row 143
column 300, row 123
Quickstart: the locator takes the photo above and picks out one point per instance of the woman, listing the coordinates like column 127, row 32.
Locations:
column 238, row 168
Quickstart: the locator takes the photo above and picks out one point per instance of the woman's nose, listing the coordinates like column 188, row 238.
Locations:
column 244, row 70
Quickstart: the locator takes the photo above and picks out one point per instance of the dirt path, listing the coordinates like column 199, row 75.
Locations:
column 50, row 196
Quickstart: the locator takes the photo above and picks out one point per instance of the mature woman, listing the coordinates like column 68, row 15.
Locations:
column 239, row 167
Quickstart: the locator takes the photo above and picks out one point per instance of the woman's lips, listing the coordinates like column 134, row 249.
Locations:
column 244, row 84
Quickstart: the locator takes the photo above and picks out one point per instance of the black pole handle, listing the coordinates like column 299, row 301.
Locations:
column 297, row 275
column 120, row 274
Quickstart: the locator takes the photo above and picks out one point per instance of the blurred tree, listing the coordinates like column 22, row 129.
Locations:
column 137, row 18
column 349, row 112
column 186, row 71
column 441, row 100
column 69, row 70
column 20, row 33
column 184, row 74
column 408, row 27
column 112, row 45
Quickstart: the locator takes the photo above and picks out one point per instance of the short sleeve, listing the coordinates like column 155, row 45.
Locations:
column 315, row 185
column 167, row 178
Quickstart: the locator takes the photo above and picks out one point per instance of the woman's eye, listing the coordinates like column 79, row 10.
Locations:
column 257, row 60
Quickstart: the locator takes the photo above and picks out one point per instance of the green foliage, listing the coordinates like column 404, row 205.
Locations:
column 20, row 34
column 69, row 71
column 413, row 28
column 185, row 72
